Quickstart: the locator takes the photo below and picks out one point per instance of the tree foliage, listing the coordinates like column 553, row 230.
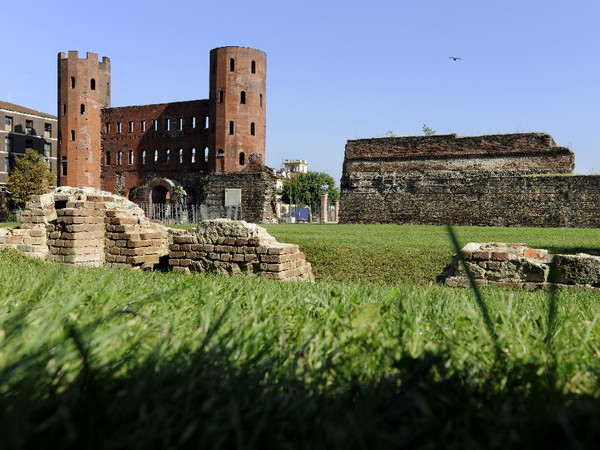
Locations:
column 29, row 176
column 305, row 189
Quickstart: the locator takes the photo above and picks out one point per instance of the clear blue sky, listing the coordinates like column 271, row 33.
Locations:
column 336, row 70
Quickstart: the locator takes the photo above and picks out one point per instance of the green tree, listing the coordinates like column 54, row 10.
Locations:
column 428, row 131
column 29, row 176
column 306, row 189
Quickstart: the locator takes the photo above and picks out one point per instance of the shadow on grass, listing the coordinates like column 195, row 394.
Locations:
column 210, row 400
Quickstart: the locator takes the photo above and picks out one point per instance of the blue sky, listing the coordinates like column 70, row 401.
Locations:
column 336, row 70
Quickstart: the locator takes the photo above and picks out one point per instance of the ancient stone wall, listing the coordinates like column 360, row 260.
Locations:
column 519, row 266
column 258, row 192
column 504, row 180
column 471, row 198
column 88, row 227
column 237, row 247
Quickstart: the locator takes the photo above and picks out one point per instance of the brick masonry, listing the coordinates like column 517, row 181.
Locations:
column 503, row 180
column 516, row 265
column 88, row 227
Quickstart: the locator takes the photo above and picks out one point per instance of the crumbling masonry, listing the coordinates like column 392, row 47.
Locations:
column 88, row 227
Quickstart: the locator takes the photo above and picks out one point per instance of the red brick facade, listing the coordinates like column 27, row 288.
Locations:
column 123, row 149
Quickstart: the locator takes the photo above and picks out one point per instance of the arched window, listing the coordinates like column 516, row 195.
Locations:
column 119, row 158
column 63, row 166
column 93, row 84
column 243, row 97
column 253, row 67
column 82, row 109
column 108, row 158
column 168, row 156
column 155, row 156
column 72, row 135
column 232, row 65
column 143, row 157
column 180, row 156
column 193, row 155
column 242, row 158
column 252, row 129
column 221, row 95
column 72, row 82
column 206, row 154
column 220, row 153
column 130, row 156
column 231, row 127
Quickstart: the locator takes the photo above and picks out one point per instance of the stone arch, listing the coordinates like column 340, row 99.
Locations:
column 161, row 190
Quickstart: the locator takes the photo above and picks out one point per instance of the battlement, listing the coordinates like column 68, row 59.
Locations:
column 90, row 56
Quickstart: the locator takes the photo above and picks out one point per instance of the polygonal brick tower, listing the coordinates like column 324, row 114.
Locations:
column 83, row 90
column 237, row 107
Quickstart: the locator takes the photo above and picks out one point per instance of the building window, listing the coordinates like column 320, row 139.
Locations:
column 72, row 135
column 242, row 158
column 8, row 144
column 108, row 158
column 155, row 156
column 119, row 129
column 168, row 156
column 8, row 124
column 72, row 82
column 243, row 97
column 64, row 109
column 29, row 144
column 131, row 126
column 119, row 158
column 253, row 67
column 206, row 122
column 47, row 130
column 82, row 109
column 130, row 156
column 144, row 157
column 252, row 129
column 193, row 155
column 220, row 153
column 107, row 126
column 29, row 127
column 143, row 125
column 221, row 95
column 231, row 127
column 7, row 164
column 167, row 124
column 155, row 125
column 180, row 123
column 261, row 100
column 93, row 84
column 47, row 149
column 193, row 122
column 63, row 166
column 232, row 65
column 180, row 156
column 206, row 154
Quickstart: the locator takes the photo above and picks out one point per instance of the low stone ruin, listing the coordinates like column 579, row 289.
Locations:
column 237, row 247
column 88, row 227
column 519, row 266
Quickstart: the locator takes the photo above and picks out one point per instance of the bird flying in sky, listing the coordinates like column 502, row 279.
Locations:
column 453, row 58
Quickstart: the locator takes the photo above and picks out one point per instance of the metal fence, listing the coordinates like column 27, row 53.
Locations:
column 175, row 213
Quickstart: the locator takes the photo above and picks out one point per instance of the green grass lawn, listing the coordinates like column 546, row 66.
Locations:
column 101, row 358
column 410, row 253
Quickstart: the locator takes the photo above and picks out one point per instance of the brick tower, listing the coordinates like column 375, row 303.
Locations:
column 237, row 107
column 83, row 90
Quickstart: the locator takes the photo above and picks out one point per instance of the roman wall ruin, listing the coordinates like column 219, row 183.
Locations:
column 93, row 228
column 502, row 180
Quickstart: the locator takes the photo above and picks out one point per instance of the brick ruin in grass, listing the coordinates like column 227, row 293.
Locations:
column 516, row 265
column 237, row 247
column 88, row 227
